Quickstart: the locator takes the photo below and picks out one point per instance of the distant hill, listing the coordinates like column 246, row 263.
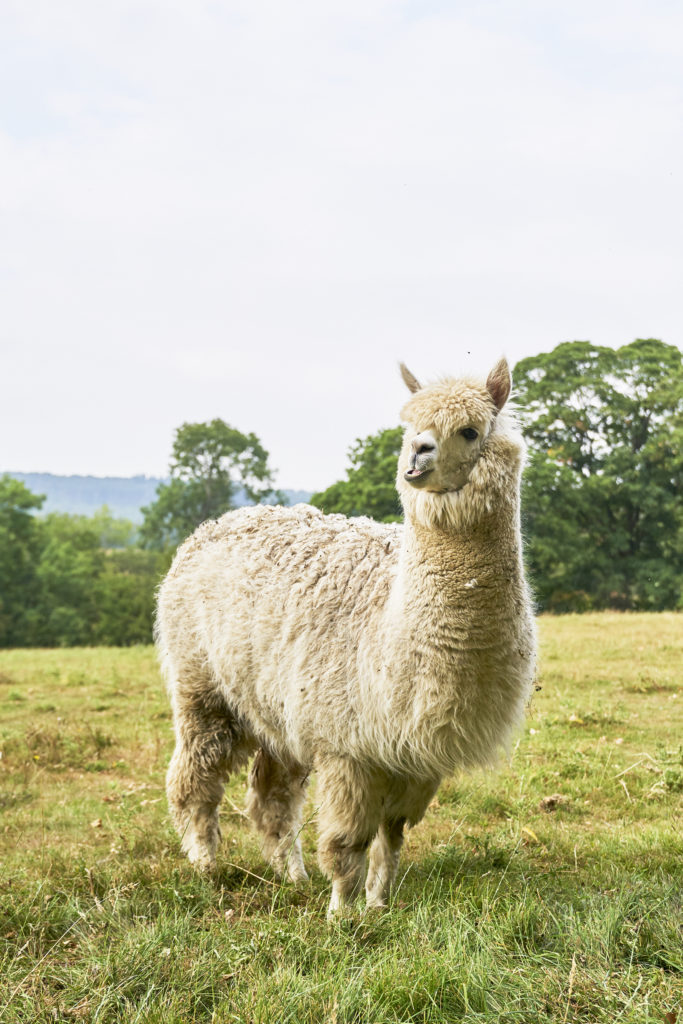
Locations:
column 123, row 495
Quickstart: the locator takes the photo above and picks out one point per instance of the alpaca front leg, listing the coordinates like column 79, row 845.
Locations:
column 406, row 802
column 384, row 857
column 350, row 804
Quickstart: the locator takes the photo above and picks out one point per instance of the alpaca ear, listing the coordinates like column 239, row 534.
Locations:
column 412, row 383
column 499, row 383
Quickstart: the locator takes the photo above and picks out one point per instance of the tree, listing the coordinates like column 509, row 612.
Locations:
column 370, row 485
column 19, row 549
column 71, row 560
column 209, row 464
column 125, row 595
column 601, row 495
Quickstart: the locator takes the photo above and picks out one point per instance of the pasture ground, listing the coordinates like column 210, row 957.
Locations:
column 503, row 912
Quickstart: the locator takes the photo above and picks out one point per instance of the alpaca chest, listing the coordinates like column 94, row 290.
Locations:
column 456, row 698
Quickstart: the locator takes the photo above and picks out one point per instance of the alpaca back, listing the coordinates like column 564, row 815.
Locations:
column 282, row 604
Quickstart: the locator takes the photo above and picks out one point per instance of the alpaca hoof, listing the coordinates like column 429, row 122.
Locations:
column 340, row 908
column 289, row 865
column 201, row 858
column 337, row 914
column 375, row 903
column 203, row 863
column 376, row 891
column 298, row 874
column 295, row 873
column 335, row 907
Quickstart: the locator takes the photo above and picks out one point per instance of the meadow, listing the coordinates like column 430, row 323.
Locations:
column 550, row 890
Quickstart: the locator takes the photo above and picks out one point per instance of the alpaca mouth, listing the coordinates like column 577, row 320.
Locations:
column 414, row 475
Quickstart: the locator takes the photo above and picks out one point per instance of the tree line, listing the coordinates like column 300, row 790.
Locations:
column 601, row 500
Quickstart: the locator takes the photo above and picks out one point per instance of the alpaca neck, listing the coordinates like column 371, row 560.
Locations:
column 442, row 566
column 456, row 616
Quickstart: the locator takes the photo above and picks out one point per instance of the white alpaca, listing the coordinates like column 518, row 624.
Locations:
column 382, row 657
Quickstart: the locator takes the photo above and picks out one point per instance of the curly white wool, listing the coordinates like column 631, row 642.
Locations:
column 382, row 656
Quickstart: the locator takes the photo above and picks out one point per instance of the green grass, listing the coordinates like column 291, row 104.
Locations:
column 503, row 912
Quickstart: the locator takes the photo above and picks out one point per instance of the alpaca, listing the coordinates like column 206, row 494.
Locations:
column 382, row 657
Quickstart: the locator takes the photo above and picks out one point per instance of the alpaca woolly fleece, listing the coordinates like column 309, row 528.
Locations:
column 382, row 657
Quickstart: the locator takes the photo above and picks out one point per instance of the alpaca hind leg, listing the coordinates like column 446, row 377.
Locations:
column 277, row 791
column 208, row 747
column 350, row 801
column 405, row 803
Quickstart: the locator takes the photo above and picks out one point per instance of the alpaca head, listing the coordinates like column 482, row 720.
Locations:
column 456, row 447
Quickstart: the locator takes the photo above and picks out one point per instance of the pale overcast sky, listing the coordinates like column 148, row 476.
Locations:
column 252, row 210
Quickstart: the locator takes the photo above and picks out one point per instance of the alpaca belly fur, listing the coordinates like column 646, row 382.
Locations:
column 384, row 657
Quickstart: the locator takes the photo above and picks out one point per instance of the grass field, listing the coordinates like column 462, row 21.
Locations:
column 504, row 911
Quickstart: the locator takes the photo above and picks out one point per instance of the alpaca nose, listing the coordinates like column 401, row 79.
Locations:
column 422, row 447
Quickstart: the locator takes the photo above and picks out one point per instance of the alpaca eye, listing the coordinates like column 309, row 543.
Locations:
column 469, row 433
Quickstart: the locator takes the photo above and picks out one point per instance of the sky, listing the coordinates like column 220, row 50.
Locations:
column 254, row 210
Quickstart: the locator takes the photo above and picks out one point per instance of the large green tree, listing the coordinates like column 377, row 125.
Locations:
column 602, row 493
column 210, row 462
column 370, row 485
